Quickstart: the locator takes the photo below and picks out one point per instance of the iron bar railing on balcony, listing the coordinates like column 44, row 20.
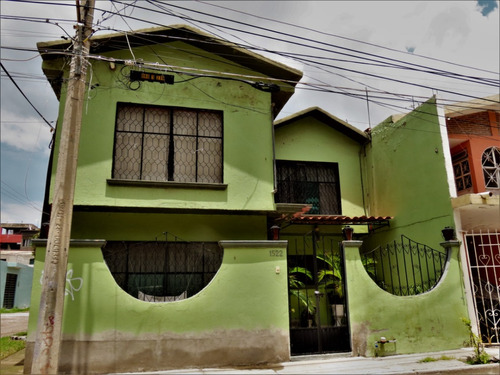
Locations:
column 405, row 268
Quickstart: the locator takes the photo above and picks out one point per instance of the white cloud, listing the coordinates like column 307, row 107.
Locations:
column 21, row 213
column 25, row 134
column 450, row 26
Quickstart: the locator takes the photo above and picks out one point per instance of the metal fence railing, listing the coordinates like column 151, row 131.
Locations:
column 405, row 268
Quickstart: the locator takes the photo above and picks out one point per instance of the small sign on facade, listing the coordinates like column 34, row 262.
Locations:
column 136, row 75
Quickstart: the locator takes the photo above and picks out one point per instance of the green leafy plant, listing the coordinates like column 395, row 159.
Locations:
column 480, row 356
column 331, row 276
column 297, row 288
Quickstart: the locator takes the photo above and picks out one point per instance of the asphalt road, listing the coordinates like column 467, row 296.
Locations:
column 13, row 323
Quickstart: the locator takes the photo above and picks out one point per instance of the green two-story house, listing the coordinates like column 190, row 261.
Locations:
column 205, row 233
column 174, row 184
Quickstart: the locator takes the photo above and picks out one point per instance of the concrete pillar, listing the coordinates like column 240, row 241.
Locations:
column 351, row 256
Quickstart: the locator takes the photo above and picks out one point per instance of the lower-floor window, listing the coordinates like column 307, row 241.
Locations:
column 162, row 271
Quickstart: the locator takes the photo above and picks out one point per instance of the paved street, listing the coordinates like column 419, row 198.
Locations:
column 13, row 323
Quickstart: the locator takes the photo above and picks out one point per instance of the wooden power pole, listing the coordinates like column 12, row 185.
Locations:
column 49, row 328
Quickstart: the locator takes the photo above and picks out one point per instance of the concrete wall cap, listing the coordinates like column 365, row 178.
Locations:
column 253, row 244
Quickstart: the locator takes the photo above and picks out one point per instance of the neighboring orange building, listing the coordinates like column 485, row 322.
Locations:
column 474, row 137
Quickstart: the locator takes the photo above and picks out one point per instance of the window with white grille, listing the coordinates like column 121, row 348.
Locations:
column 155, row 143
column 491, row 168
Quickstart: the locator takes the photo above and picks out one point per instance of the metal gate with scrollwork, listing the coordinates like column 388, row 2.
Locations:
column 318, row 315
column 483, row 251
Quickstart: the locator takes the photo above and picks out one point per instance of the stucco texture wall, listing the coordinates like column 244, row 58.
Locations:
column 308, row 139
column 241, row 317
column 405, row 177
column 247, row 132
column 420, row 323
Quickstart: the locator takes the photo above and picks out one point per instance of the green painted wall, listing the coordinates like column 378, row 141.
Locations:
column 308, row 139
column 247, row 149
column 421, row 323
column 150, row 227
column 405, row 177
column 248, row 296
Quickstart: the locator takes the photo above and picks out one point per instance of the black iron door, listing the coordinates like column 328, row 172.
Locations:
column 318, row 316
column 10, row 291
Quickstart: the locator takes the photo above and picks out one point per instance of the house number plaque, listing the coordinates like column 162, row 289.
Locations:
column 275, row 253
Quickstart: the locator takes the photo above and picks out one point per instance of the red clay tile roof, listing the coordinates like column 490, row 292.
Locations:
column 339, row 219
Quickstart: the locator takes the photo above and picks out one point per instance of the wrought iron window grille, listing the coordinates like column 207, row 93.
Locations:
column 491, row 168
column 313, row 183
column 155, row 143
column 162, row 271
column 462, row 172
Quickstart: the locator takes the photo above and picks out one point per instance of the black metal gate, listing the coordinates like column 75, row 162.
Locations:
column 484, row 261
column 318, row 316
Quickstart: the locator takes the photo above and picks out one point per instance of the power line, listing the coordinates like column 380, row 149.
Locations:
column 335, row 67
column 448, row 74
column 204, row 73
column 290, row 35
column 351, row 70
column 343, row 37
column 25, row 97
column 312, row 63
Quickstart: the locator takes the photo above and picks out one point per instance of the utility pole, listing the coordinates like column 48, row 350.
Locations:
column 48, row 333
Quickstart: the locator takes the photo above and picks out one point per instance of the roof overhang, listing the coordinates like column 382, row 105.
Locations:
column 490, row 103
column 296, row 214
column 478, row 211
column 159, row 35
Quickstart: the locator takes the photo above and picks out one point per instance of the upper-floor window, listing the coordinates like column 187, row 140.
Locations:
column 491, row 168
column 461, row 169
column 313, row 183
column 155, row 143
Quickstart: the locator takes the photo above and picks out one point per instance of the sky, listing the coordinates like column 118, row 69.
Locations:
column 342, row 47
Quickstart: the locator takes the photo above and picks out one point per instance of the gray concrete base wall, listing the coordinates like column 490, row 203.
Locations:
column 229, row 348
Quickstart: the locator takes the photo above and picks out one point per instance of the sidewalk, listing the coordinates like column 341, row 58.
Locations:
column 334, row 364
column 329, row 364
